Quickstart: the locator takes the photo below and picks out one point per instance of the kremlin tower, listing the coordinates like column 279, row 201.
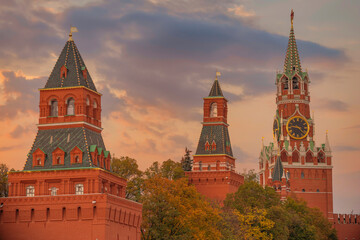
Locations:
column 293, row 162
column 213, row 172
column 67, row 189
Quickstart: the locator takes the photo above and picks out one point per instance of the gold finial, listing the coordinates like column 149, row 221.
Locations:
column 217, row 74
column 72, row 29
column 292, row 18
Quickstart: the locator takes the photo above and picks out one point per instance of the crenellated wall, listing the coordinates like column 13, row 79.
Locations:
column 347, row 226
column 87, row 216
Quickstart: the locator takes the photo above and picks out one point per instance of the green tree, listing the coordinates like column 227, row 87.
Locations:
column 4, row 180
column 186, row 161
column 174, row 210
column 168, row 169
column 128, row 168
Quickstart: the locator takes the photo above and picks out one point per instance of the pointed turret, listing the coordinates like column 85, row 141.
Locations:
column 70, row 69
column 292, row 59
column 216, row 89
column 278, row 170
column 327, row 143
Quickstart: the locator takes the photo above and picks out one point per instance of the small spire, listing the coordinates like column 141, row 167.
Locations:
column 327, row 143
column 216, row 89
column 72, row 30
column 292, row 18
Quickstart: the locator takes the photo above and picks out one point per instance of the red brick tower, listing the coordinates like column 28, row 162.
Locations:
column 306, row 169
column 67, row 189
column 213, row 171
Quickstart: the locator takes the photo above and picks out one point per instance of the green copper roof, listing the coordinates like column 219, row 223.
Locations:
column 216, row 90
column 70, row 58
column 99, row 150
column 92, row 148
column 106, row 153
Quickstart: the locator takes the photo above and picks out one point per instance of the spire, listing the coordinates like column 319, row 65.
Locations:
column 278, row 170
column 292, row 59
column 215, row 89
column 327, row 144
column 70, row 69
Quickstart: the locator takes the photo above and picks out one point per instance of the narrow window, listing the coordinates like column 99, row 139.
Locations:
column 288, row 174
column 77, row 160
column 209, row 167
column 70, row 109
column 303, row 190
column 54, row 108
column 95, row 110
column 200, row 166
column 286, row 84
column 295, row 83
column 302, row 175
column 30, row 191
column 213, row 110
column 317, row 190
column 53, row 191
column 38, row 161
column 79, row 189
column 58, row 160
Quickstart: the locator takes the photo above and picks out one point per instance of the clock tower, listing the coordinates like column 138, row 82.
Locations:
column 213, row 172
column 293, row 162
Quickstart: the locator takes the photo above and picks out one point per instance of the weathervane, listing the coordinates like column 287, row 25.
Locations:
column 72, row 30
column 217, row 74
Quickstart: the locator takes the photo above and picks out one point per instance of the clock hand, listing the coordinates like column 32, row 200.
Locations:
column 299, row 129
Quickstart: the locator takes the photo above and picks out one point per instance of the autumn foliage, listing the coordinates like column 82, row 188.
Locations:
column 173, row 209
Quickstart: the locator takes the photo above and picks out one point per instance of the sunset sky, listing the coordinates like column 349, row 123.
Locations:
column 154, row 61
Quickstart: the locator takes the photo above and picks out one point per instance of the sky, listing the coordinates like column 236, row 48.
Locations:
column 155, row 60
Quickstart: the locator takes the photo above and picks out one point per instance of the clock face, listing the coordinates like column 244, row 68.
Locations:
column 276, row 128
column 297, row 127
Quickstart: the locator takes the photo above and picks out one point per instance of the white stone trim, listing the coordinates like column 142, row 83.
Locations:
column 68, row 123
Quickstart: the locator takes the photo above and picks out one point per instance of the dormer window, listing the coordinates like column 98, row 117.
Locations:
column 38, row 157
column 213, row 146
column 30, row 191
column 70, row 108
column 54, row 108
column 213, row 110
column 207, row 146
column 58, row 156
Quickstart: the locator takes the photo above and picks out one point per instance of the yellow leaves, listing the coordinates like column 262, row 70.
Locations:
column 253, row 224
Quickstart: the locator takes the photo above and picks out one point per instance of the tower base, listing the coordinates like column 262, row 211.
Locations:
column 215, row 185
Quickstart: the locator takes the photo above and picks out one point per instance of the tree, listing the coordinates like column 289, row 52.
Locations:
column 168, row 169
column 174, row 210
column 4, row 180
column 186, row 161
column 128, row 168
column 253, row 224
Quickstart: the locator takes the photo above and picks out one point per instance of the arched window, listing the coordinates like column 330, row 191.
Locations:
column 295, row 83
column 286, row 83
column 200, row 166
column 213, row 110
column 288, row 174
column 79, row 189
column 70, row 108
column 95, row 110
column 58, row 160
column 30, row 191
column 54, row 108
column 77, row 160
column 302, row 175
